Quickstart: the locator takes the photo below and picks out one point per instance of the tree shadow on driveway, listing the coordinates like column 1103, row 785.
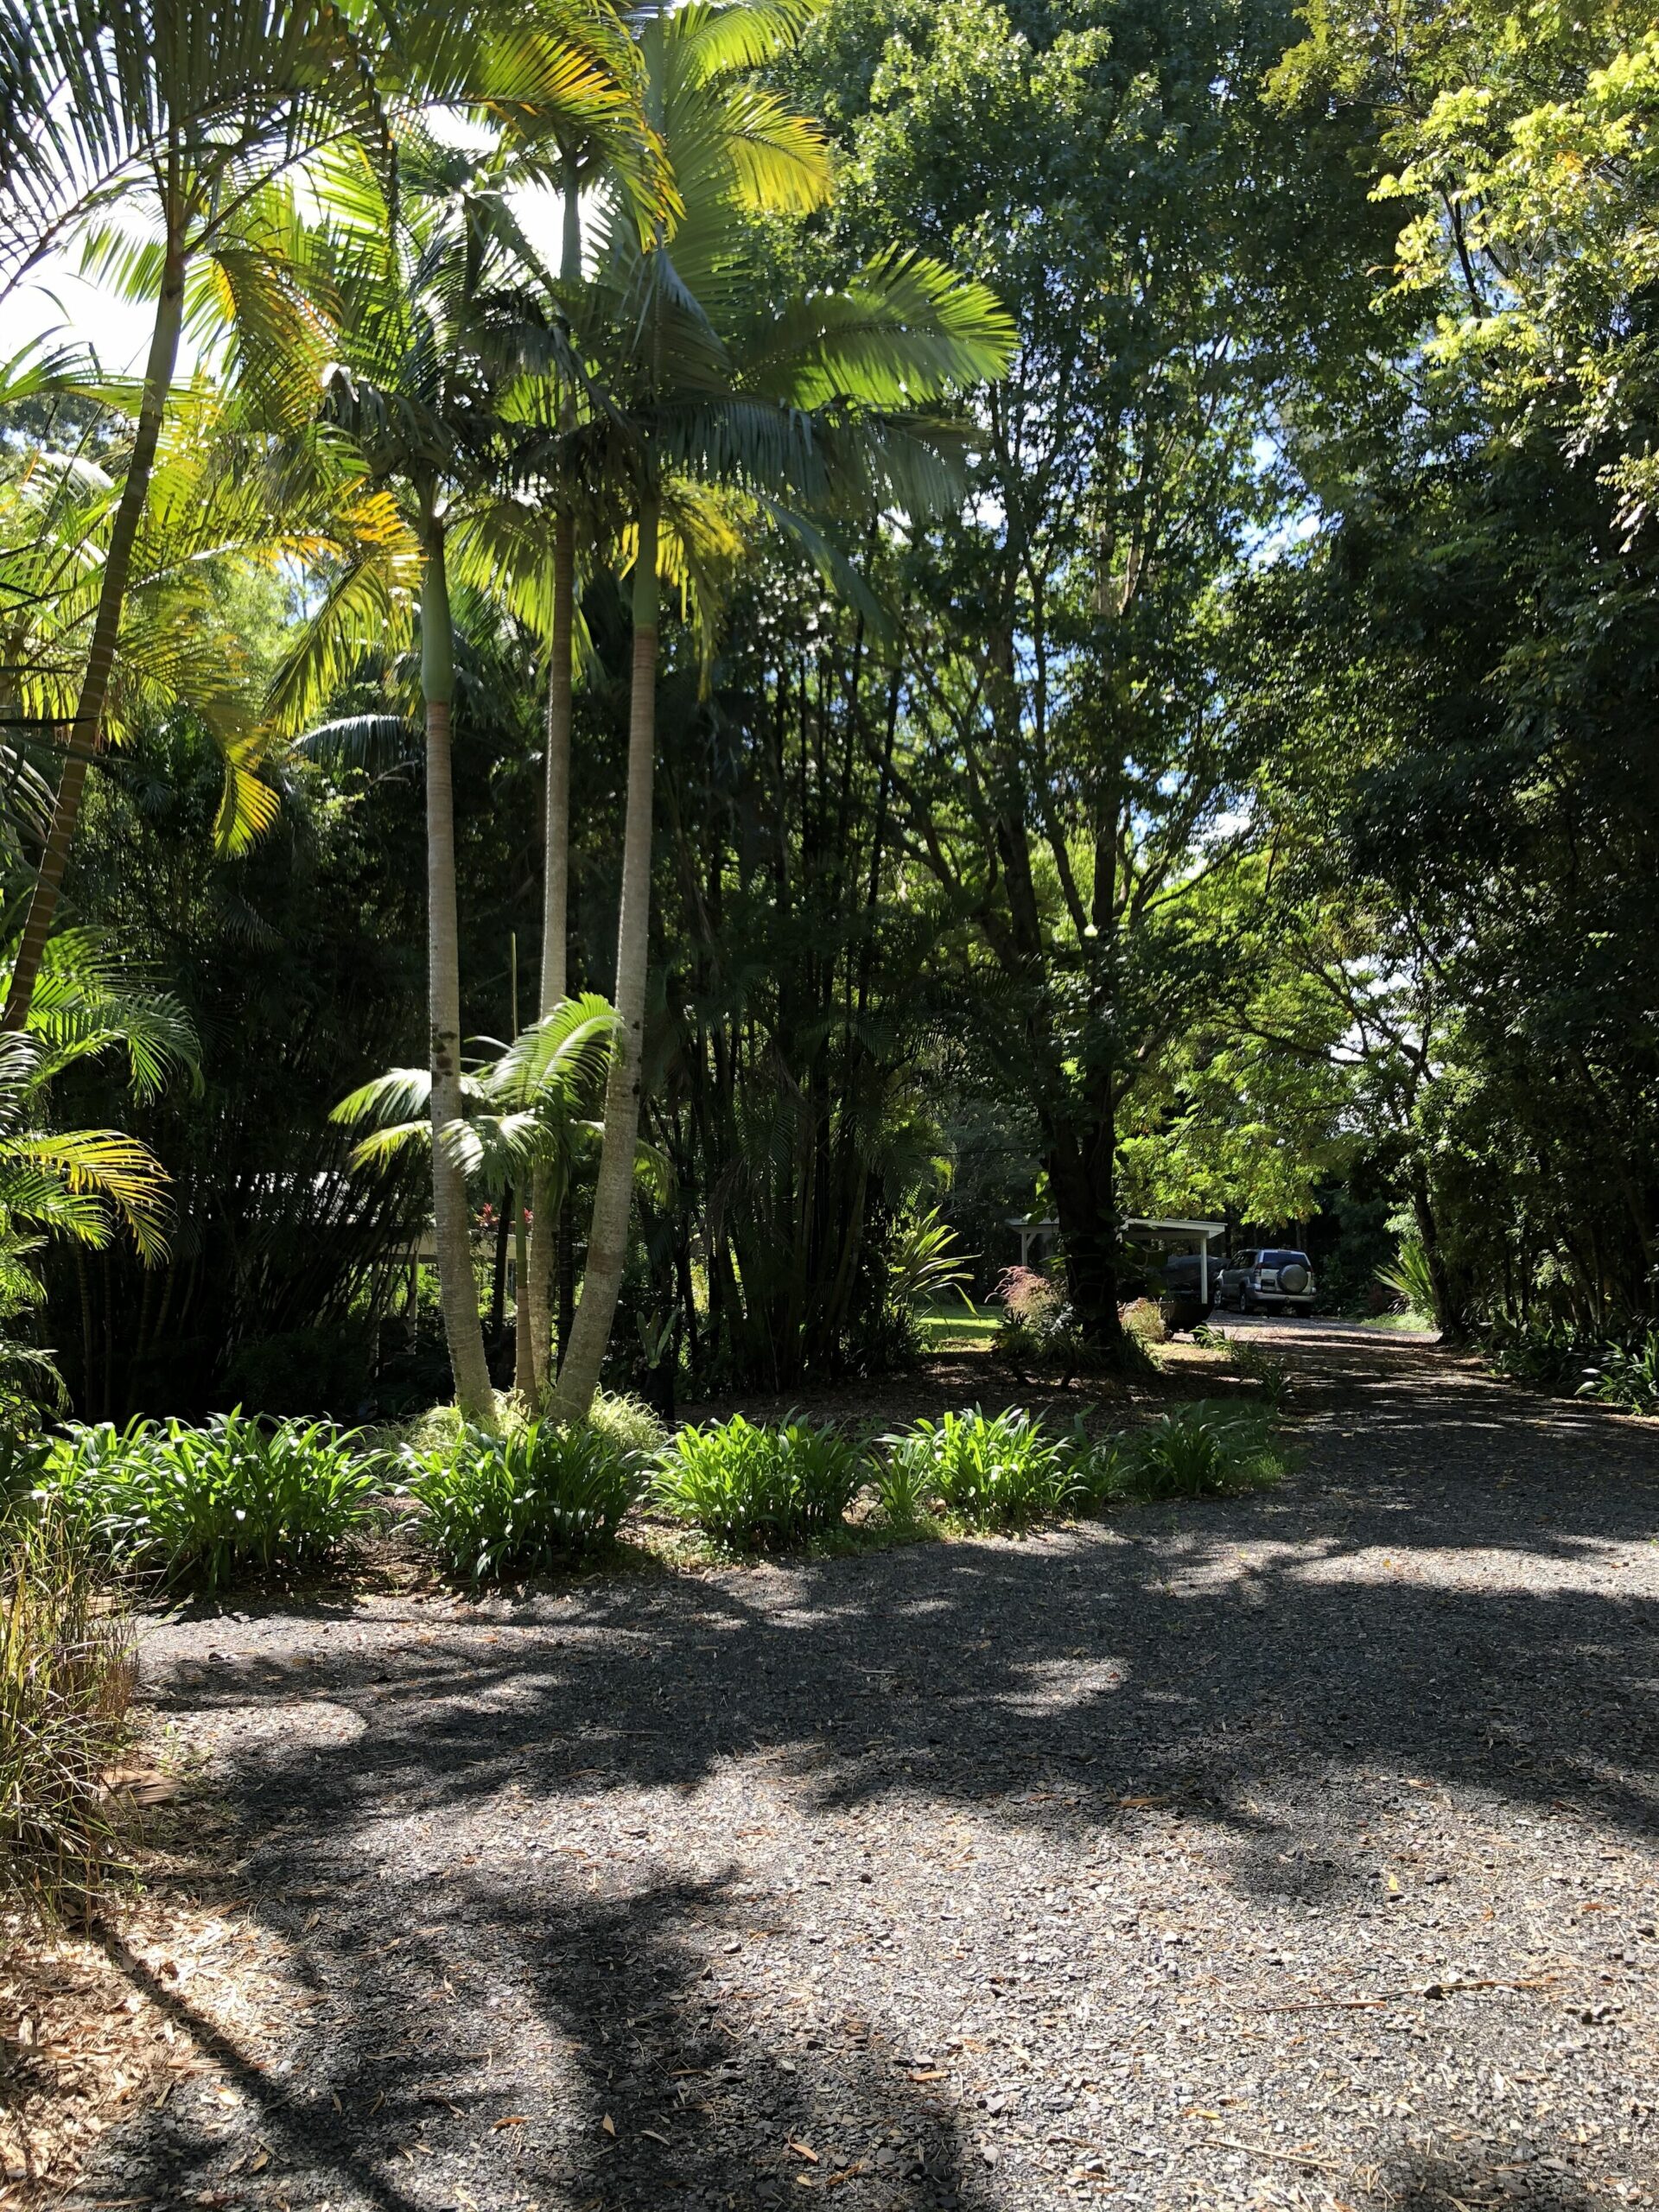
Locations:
column 744, row 1863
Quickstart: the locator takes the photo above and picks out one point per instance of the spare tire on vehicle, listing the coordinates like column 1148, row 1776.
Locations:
column 1294, row 1279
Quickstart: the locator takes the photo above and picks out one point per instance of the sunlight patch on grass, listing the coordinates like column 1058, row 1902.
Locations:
column 945, row 1328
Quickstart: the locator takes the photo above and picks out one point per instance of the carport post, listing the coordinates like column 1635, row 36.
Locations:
column 1204, row 1268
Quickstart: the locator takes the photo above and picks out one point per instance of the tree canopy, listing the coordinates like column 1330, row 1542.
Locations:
column 1039, row 609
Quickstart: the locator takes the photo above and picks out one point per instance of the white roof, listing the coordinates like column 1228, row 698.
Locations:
column 1135, row 1221
column 1186, row 1228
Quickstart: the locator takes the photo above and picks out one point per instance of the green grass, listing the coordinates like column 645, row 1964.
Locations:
column 959, row 1328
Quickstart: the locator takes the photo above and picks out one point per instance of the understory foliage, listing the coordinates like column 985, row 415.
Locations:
column 1625, row 1375
column 749, row 1487
column 1204, row 1450
column 66, row 1675
column 988, row 1470
column 199, row 1508
column 172, row 1508
column 521, row 1501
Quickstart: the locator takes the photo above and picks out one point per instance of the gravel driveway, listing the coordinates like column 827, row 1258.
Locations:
column 1294, row 1851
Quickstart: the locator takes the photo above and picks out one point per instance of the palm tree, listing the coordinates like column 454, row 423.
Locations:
column 178, row 111
column 525, row 1110
column 431, row 323
column 81, row 1186
column 811, row 405
column 212, row 509
column 727, row 136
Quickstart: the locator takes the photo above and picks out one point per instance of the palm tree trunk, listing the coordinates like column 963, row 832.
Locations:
column 85, row 733
column 524, row 1356
column 555, row 895
column 457, row 1291
column 607, row 1242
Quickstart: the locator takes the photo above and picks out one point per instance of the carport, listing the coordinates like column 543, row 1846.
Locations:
column 1191, row 1236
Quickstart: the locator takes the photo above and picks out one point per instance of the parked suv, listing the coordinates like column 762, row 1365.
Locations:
column 1272, row 1281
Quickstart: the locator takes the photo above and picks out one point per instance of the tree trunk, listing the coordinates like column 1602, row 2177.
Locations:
column 85, row 733
column 1448, row 1314
column 547, row 1218
column 498, row 1277
column 607, row 1242
column 524, row 1364
column 555, row 897
column 457, row 1291
column 1082, row 1181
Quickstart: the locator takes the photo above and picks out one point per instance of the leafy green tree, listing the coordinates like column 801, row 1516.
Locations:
column 1072, row 773
column 179, row 114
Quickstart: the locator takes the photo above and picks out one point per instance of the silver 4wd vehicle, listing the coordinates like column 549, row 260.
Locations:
column 1272, row 1281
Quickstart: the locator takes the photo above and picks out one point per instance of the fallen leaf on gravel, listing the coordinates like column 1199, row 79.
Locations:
column 804, row 2150
column 608, row 2125
column 930, row 2074
column 522, row 2120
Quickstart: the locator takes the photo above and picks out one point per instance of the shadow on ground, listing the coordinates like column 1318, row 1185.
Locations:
column 1435, row 1600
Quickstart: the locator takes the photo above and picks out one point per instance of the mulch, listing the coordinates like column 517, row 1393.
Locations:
column 1295, row 1850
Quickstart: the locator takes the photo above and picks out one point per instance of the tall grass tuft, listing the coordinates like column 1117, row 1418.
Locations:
column 65, row 1687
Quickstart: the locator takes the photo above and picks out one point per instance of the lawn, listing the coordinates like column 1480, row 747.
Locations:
column 959, row 1328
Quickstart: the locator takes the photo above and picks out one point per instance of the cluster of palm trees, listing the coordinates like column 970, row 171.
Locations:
column 416, row 398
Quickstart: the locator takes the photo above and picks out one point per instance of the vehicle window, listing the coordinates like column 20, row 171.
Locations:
column 1284, row 1259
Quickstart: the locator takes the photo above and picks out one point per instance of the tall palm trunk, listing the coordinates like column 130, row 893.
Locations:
column 534, row 1339
column 457, row 1291
column 546, row 1212
column 85, row 733
column 607, row 1242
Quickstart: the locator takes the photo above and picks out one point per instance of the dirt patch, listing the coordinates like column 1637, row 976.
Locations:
column 89, row 2032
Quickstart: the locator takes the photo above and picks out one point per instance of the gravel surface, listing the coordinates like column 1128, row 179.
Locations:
column 1290, row 1851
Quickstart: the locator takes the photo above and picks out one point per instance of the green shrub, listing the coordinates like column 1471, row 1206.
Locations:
column 748, row 1487
column 1625, row 1375
column 1410, row 1280
column 66, row 1685
column 522, row 1501
column 201, row 1506
column 1099, row 1468
column 905, row 1490
column 629, row 1423
column 1548, row 1354
column 1202, row 1450
column 990, row 1470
